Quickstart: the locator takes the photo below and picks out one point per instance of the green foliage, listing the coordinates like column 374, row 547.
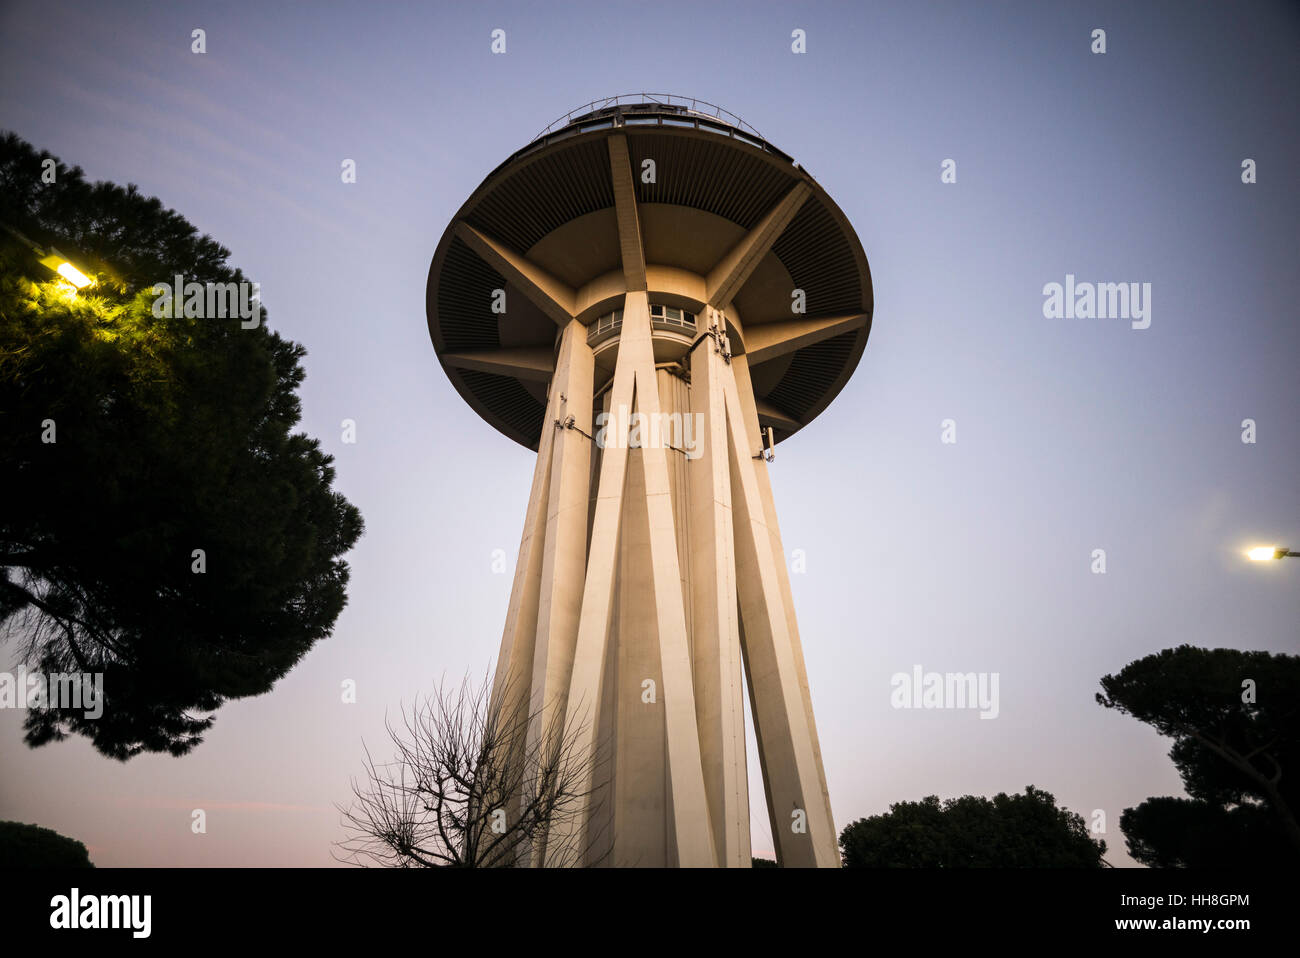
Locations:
column 172, row 435
column 31, row 846
column 762, row 863
column 1007, row 831
column 1232, row 747
column 1187, row 833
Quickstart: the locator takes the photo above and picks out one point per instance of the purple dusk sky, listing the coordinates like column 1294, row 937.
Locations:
column 1072, row 434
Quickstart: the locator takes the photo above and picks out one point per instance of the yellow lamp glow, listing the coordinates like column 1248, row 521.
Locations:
column 1263, row 552
column 73, row 275
column 56, row 261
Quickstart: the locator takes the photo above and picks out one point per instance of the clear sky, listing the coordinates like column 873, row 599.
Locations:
column 1072, row 434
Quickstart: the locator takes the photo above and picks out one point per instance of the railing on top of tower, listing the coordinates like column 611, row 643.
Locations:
column 648, row 109
column 643, row 103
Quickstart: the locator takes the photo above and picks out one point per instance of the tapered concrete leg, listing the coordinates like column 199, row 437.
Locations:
column 719, row 680
column 514, row 662
column 532, row 677
column 691, row 830
column 586, row 689
column 564, row 557
column 801, row 824
column 641, row 836
column 745, row 392
column 689, row 836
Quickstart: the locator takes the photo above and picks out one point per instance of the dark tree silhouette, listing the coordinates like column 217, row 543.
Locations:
column 1186, row 833
column 1234, row 717
column 169, row 436
column 469, row 787
column 31, row 846
column 1007, row 831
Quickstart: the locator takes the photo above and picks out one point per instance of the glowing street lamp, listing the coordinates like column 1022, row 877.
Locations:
column 59, row 263
column 1262, row 553
column 53, row 259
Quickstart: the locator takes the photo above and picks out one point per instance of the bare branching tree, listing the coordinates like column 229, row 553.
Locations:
column 473, row 785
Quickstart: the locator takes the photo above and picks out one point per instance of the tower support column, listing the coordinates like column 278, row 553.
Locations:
column 719, row 675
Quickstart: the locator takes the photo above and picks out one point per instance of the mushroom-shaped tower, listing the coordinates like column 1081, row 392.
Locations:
column 649, row 294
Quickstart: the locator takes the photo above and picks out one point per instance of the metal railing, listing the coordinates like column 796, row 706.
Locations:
column 605, row 327
column 645, row 109
column 667, row 318
column 627, row 104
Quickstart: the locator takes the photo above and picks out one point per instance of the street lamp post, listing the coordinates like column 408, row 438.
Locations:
column 1263, row 553
column 54, row 260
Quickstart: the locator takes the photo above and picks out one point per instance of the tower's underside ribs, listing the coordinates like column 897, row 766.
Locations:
column 640, row 304
column 556, row 208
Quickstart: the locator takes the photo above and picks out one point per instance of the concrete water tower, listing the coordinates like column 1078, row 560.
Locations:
column 649, row 294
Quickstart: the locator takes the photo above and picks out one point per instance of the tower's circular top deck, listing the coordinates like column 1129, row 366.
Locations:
column 548, row 213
